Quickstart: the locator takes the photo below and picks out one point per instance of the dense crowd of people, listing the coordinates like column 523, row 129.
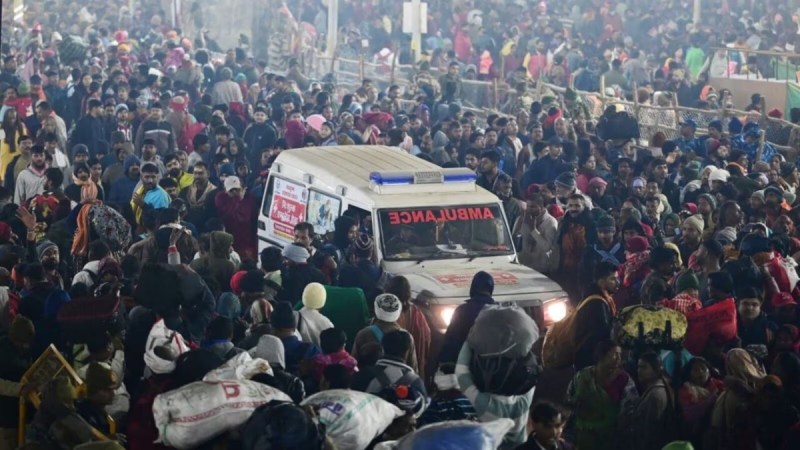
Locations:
column 134, row 161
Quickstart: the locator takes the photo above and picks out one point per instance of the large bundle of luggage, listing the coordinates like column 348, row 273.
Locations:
column 73, row 48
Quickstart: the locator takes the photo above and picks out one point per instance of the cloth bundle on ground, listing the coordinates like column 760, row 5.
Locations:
column 163, row 348
column 501, row 340
column 198, row 412
column 455, row 435
column 353, row 419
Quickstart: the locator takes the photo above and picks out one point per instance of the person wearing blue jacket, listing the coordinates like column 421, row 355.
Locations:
column 122, row 189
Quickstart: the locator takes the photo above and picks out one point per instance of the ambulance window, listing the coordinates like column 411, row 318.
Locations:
column 268, row 197
column 362, row 217
column 323, row 209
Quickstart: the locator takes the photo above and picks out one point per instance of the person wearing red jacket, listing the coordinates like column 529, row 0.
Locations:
column 238, row 211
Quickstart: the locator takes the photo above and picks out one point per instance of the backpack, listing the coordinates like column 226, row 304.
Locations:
column 559, row 347
column 401, row 393
column 92, row 276
column 377, row 332
column 110, row 227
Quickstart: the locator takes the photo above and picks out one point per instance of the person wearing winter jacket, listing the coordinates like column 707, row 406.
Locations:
column 238, row 211
column 157, row 129
column 258, row 136
column 754, row 329
column 480, row 295
column 538, row 230
column 270, row 348
column 311, row 322
column 90, row 275
column 122, row 190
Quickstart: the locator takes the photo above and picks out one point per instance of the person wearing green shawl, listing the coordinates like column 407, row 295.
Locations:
column 600, row 395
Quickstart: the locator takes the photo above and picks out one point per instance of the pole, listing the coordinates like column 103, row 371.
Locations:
column 333, row 27
column 696, row 11
column 416, row 34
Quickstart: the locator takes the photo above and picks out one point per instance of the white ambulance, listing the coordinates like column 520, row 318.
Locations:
column 432, row 225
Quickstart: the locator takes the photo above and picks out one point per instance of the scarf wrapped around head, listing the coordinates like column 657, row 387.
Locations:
column 636, row 267
column 742, row 365
column 89, row 189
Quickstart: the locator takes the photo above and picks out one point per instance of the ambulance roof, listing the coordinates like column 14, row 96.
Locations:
column 350, row 167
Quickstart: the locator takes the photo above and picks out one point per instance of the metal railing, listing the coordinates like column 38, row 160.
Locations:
column 485, row 98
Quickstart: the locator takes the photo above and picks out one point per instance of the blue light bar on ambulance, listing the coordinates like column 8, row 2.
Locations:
column 443, row 176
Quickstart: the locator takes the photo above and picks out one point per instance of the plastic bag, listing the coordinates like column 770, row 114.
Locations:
column 353, row 419
column 790, row 266
column 198, row 412
column 160, row 335
column 457, row 435
column 240, row 367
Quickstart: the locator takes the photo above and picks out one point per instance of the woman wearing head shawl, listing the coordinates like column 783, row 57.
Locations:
column 697, row 396
column 729, row 419
column 634, row 270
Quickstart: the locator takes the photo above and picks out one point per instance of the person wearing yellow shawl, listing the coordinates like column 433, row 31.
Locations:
column 149, row 193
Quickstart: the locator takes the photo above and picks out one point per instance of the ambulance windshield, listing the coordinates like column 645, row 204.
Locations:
column 427, row 233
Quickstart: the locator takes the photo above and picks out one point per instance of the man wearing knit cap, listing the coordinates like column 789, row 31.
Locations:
column 726, row 236
column 312, row 323
column 298, row 274
column 101, row 382
column 49, row 256
column 566, row 185
column 692, row 234
column 284, row 324
column 387, row 311
column 608, row 247
column 16, row 358
column 717, row 178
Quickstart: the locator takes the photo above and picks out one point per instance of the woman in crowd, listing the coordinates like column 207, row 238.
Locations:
column 600, row 395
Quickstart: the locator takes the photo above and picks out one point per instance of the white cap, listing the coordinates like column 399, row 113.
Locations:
column 232, row 182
